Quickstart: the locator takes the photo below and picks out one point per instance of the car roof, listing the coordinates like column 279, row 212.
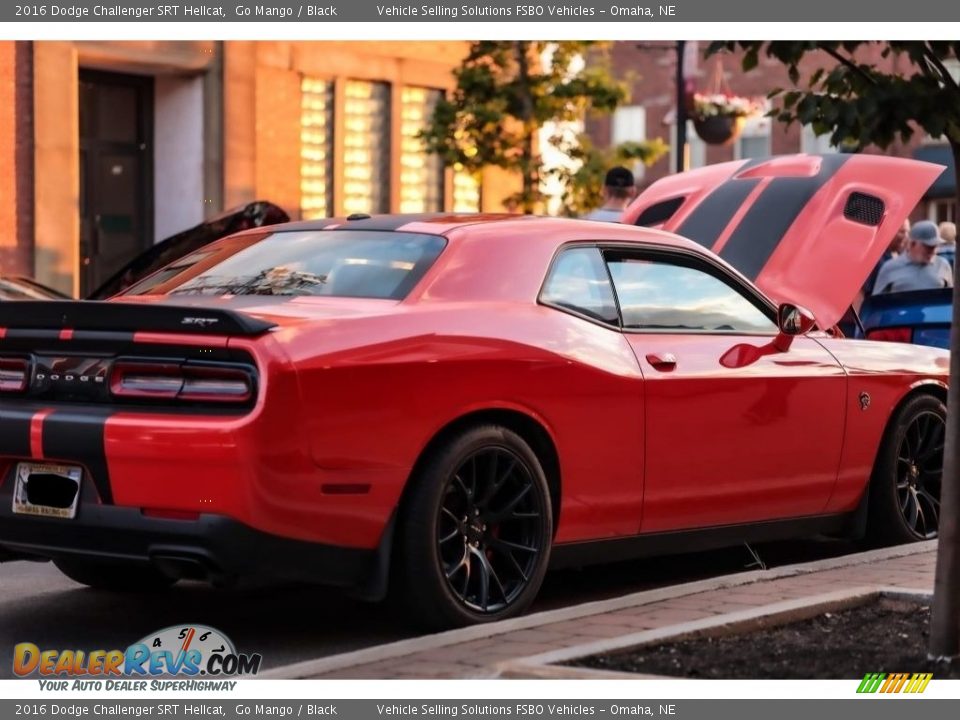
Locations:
column 456, row 226
column 493, row 257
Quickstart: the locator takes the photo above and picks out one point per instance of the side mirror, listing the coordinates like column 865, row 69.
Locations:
column 792, row 320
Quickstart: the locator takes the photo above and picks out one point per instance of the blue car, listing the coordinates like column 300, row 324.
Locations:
column 921, row 317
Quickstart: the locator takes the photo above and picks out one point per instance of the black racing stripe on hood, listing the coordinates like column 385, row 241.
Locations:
column 15, row 432
column 715, row 211
column 709, row 219
column 78, row 435
column 767, row 221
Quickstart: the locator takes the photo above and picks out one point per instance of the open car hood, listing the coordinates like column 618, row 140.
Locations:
column 805, row 228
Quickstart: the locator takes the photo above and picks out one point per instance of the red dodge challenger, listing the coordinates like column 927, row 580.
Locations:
column 448, row 405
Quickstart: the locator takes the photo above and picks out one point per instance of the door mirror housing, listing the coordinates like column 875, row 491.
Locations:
column 793, row 321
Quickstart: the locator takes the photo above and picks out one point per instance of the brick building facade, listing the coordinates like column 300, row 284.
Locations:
column 16, row 151
column 109, row 146
column 650, row 67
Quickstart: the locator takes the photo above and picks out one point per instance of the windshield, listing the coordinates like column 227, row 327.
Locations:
column 337, row 263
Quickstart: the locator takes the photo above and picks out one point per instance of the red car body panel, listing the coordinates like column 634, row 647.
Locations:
column 729, row 428
column 885, row 375
column 350, row 392
column 784, row 222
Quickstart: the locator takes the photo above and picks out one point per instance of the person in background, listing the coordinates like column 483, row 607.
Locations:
column 893, row 249
column 918, row 268
column 948, row 251
column 618, row 191
column 948, row 231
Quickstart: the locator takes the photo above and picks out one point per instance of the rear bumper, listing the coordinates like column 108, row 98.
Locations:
column 212, row 547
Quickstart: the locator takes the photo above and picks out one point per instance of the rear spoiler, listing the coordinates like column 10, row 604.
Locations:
column 126, row 317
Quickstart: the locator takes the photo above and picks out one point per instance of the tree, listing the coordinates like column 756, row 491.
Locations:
column 506, row 92
column 862, row 104
column 583, row 180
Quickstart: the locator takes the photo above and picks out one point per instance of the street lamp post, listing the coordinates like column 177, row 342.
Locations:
column 680, row 111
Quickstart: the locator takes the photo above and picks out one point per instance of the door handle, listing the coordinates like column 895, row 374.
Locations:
column 662, row 361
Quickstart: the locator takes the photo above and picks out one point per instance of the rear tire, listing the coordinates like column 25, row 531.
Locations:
column 904, row 504
column 114, row 576
column 475, row 534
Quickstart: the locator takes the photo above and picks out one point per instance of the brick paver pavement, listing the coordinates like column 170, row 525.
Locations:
column 477, row 657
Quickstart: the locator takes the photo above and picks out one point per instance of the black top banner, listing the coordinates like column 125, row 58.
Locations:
column 483, row 11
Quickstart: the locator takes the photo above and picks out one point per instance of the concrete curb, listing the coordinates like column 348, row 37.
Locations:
column 400, row 648
column 544, row 665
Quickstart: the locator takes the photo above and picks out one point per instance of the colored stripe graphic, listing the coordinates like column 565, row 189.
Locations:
column 78, row 435
column 15, row 432
column 894, row 683
column 768, row 219
column 871, row 682
column 714, row 213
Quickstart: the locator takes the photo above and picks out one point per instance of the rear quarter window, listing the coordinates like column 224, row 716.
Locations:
column 578, row 282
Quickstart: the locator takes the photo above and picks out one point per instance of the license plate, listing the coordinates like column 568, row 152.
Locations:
column 47, row 490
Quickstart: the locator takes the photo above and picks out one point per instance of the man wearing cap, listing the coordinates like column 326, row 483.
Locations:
column 618, row 191
column 918, row 268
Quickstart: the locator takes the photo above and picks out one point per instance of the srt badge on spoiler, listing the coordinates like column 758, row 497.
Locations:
column 199, row 321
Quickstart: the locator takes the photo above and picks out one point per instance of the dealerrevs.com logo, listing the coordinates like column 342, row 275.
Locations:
column 178, row 651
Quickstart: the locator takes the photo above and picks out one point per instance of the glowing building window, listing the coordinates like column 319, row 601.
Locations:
column 316, row 148
column 421, row 174
column 366, row 147
column 466, row 191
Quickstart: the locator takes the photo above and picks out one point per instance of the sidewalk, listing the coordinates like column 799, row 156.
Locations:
column 476, row 651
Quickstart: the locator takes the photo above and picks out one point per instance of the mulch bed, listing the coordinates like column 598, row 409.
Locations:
column 884, row 635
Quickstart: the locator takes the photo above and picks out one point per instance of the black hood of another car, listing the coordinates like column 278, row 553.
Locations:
column 255, row 214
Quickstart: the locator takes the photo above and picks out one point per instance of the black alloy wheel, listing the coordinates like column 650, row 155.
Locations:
column 474, row 534
column 904, row 501
column 919, row 473
column 490, row 529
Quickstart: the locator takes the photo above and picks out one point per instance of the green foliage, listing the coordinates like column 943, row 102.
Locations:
column 584, row 186
column 857, row 103
column 505, row 94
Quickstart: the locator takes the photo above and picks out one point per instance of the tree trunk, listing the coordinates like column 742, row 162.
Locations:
column 945, row 622
column 531, row 174
column 528, row 161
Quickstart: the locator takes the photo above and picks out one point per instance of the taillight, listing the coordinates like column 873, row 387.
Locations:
column 14, row 375
column 901, row 335
column 186, row 383
column 208, row 384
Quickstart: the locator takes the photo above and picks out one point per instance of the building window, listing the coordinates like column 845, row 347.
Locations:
column 316, row 148
column 421, row 174
column 466, row 191
column 754, row 141
column 942, row 211
column 366, row 147
column 629, row 124
column 814, row 144
column 696, row 147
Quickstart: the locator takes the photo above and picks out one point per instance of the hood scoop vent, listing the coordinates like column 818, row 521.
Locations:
column 864, row 209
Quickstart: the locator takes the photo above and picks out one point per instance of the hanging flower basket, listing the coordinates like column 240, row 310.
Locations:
column 719, row 129
column 719, row 118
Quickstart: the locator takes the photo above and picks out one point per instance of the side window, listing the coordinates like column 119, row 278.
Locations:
column 578, row 281
column 661, row 294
